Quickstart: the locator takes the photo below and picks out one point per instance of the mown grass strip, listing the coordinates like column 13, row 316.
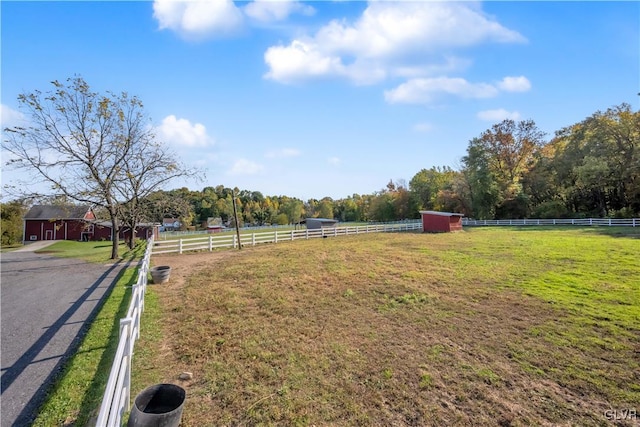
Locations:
column 95, row 252
column 77, row 392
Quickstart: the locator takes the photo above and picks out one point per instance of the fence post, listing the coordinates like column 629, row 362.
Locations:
column 292, row 235
column 590, row 221
column 253, row 239
column 180, row 246
column 210, row 243
column 609, row 222
column 306, row 233
column 126, row 324
column 235, row 239
column 275, row 237
column 335, row 231
column 634, row 222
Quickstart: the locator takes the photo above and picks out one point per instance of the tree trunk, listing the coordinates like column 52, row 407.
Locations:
column 114, row 235
column 132, row 238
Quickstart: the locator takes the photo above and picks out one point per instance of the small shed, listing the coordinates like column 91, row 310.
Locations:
column 318, row 223
column 215, row 228
column 441, row 222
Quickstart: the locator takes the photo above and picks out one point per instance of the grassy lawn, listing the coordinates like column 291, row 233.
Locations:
column 491, row 326
column 96, row 252
column 77, row 393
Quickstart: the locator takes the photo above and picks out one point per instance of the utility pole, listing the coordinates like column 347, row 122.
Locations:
column 235, row 215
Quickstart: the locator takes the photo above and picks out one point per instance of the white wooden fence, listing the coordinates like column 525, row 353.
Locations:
column 115, row 402
column 212, row 242
column 611, row 222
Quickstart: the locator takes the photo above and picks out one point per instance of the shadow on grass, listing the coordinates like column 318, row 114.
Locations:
column 613, row 231
column 92, row 399
column 92, row 396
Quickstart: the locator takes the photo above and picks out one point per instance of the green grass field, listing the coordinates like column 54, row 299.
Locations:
column 96, row 252
column 491, row 326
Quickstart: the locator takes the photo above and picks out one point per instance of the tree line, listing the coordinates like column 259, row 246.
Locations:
column 99, row 149
column 588, row 169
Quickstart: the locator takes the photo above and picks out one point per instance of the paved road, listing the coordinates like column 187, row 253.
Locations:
column 45, row 304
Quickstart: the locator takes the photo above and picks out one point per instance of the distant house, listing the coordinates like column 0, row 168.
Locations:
column 170, row 224
column 318, row 223
column 441, row 222
column 56, row 222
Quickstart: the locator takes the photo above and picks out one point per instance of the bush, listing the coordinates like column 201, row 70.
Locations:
column 551, row 209
column 11, row 226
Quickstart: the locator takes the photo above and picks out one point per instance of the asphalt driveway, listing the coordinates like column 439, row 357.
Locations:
column 45, row 305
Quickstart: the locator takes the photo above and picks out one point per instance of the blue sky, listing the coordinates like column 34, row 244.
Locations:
column 315, row 99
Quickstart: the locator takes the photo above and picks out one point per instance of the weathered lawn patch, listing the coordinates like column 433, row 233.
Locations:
column 485, row 327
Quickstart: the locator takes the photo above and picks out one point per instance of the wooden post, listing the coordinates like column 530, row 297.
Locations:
column 235, row 215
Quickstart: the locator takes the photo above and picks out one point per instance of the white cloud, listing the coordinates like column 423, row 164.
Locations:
column 515, row 84
column 272, row 11
column 10, row 117
column 425, row 91
column 182, row 132
column 422, row 127
column 390, row 38
column 198, row 18
column 283, row 153
column 245, row 167
column 334, row 161
column 300, row 60
column 498, row 115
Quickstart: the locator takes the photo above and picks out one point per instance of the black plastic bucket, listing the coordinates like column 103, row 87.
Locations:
column 160, row 274
column 158, row 406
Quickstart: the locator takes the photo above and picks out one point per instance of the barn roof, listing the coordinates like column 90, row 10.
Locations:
column 48, row 212
column 441, row 213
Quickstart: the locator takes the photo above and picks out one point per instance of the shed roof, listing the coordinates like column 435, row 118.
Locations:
column 441, row 213
column 48, row 212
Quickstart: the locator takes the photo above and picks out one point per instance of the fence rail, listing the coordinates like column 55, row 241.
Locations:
column 115, row 402
column 610, row 222
column 212, row 242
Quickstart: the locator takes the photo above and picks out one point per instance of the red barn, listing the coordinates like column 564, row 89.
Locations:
column 52, row 222
column 441, row 222
column 144, row 230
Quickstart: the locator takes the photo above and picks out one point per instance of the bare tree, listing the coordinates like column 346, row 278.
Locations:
column 87, row 146
column 146, row 169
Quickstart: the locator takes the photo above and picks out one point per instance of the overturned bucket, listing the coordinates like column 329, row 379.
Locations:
column 160, row 274
column 158, row 406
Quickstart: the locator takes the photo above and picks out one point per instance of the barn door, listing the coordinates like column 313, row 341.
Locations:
column 48, row 235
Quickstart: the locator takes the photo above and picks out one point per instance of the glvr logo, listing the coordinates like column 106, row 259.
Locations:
column 621, row 414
